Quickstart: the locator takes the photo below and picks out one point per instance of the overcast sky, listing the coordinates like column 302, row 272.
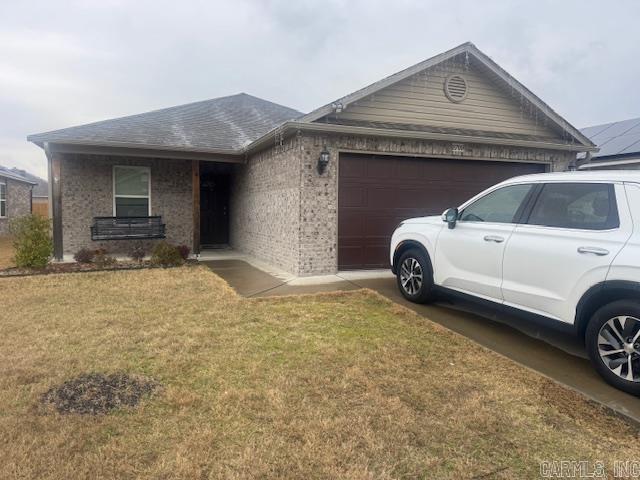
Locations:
column 65, row 63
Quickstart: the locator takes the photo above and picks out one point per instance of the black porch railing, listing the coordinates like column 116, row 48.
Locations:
column 125, row 228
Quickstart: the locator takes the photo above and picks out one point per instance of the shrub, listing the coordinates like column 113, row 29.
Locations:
column 102, row 259
column 184, row 251
column 166, row 255
column 31, row 241
column 84, row 255
column 137, row 253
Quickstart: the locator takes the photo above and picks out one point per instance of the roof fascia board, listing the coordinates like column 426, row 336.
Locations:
column 78, row 148
column 16, row 178
column 148, row 146
column 587, row 166
column 288, row 127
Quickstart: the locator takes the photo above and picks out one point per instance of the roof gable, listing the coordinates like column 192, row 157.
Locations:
column 225, row 124
column 538, row 119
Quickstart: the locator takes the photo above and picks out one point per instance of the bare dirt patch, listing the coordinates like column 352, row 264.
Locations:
column 97, row 393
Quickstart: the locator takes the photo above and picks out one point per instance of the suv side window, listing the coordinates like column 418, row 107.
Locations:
column 584, row 206
column 499, row 206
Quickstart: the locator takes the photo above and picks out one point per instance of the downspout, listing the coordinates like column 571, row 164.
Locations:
column 55, row 204
column 587, row 160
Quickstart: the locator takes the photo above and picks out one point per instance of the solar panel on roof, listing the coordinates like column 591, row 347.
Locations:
column 617, row 138
column 634, row 147
column 615, row 145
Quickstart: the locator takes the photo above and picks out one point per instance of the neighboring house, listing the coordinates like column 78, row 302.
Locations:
column 311, row 193
column 15, row 197
column 619, row 144
column 40, row 192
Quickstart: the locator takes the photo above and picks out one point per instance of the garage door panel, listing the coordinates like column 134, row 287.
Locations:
column 354, row 167
column 354, row 196
column 379, row 198
column 409, row 196
column 351, row 224
column 375, row 193
column 352, row 257
column 380, row 170
column 409, row 170
column 376, row 256
column 378, row 226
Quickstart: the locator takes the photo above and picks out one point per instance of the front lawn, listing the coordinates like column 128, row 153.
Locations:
column 345, row 385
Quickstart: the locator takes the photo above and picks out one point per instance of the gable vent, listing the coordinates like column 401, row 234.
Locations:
column 455, row 88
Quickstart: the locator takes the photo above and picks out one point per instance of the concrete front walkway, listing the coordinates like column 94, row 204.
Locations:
column 558, row 356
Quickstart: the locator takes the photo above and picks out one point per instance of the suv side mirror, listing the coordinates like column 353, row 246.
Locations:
column 451, row 217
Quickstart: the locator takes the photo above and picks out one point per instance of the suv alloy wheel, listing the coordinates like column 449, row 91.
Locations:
column 613, row 344
column 414, row 277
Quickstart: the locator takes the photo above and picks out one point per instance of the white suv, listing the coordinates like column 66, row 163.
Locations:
column 560, row 247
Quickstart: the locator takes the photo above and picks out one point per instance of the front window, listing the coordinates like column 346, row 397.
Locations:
column 3, row 199
column 499, row 206
column 131, row 188
column 584, row 206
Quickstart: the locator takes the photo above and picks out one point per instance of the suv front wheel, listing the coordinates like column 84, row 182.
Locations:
column 414, row 277
column 613, row 343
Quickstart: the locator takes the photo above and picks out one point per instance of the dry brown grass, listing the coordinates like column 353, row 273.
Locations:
column 343, row 385
column 6, row 252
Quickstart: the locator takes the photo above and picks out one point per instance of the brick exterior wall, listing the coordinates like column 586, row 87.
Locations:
column 285, row 213
column 282, row 210
column 18, row 202
column 265, row 206
column 87, row 192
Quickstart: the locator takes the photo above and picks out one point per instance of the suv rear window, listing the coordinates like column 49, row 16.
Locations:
column 584, row 206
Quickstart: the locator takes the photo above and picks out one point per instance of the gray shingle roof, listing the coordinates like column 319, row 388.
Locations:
column 221, row 124
column 15, row 175
column 615, row 139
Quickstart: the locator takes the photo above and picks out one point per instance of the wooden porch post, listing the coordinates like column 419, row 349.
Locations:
column 195, row 183
column 55, row 182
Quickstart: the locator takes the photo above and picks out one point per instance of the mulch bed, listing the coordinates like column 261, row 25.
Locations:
column 80, row 267
column 97, row 393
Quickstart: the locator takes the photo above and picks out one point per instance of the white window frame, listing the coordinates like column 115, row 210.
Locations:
column 113, row 175
column 3, row 183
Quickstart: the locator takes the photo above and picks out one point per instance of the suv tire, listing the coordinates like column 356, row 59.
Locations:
column 613, row 344
column 415, row 277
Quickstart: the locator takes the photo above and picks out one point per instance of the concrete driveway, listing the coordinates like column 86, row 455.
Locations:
column 551, row 353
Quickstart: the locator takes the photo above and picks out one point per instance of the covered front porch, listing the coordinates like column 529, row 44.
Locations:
column 115, row 200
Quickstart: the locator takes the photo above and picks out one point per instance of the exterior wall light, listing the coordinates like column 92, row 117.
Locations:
column 323, row 160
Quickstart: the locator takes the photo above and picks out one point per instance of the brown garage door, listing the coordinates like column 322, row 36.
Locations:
column 377, row 192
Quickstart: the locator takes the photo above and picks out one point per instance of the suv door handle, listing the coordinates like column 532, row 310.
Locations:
column 494, row 238
column 594, row 250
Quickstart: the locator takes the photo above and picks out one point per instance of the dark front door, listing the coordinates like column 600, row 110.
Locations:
column 377, row 192
column 214, row 209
